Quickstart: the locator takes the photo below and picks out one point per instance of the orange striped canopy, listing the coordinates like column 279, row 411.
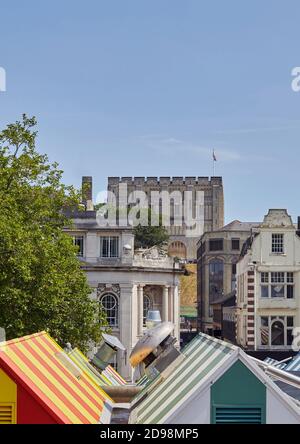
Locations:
column 64, row 390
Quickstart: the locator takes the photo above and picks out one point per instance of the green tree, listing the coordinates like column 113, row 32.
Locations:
column 146, row 235
column 42, row 286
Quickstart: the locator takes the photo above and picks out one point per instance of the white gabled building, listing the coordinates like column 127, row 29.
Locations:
column 268, row 285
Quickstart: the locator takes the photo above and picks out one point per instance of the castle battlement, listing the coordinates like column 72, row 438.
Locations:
column 165, row 181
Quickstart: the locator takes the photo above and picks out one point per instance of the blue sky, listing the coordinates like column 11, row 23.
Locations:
column 142, row 87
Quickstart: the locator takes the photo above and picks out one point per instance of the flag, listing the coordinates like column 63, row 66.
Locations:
column 214, row 156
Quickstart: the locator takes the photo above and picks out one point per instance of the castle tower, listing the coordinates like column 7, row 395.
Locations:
column 181, row 243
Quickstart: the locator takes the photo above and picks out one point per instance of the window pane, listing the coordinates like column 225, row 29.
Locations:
column 277, row 333
column 104, row 242
column 264, row 278
column 235, row 244
column 109, row 303
column 264, row 330
column 290, row 321
column 78, row 241
column 290, row 292
column 277, row 277
column 114, row 247
column 216, row 270
column 216, row 245
column 290, row 278
column 264, row 291
column 109, row 246
column 277, row 243
column 264, row 320
column 289, row 336
column 277, row 291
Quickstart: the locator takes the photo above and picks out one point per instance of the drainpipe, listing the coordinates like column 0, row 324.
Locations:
column 255, row 305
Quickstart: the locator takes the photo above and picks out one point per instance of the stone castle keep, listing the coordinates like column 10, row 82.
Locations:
column 180, row 244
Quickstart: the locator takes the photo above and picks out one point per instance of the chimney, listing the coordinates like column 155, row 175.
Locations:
column 87, row 192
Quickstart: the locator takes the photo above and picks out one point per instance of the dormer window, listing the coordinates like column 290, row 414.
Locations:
column 277, row 243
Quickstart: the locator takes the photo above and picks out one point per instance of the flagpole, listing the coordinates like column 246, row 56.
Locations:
column 214, row 163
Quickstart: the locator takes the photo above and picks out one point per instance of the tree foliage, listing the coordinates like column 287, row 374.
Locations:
column 147, row 235
column 41, row 284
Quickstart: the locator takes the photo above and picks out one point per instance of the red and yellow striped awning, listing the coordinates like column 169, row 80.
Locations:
column 64, row 390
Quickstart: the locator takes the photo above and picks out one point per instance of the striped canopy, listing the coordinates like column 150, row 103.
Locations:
column 113, row 376
column 108, row 377
column 294, row 365
column 202, row 356
column 39, row 364
column 275, row 363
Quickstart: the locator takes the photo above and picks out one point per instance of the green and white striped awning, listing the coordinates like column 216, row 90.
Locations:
column 203, row 355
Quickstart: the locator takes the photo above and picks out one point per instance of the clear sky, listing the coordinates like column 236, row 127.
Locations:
column 150, row 87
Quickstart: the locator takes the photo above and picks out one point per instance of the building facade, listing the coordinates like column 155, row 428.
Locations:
column 126, row 283
column 268, row 285
column 224, row 317
column 217, row 255
column 181, row 244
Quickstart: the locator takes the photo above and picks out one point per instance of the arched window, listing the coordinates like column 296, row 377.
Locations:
column 216, row 273
column 110, row 305
column 277, row 333
column 147, row 307
column 177, row 249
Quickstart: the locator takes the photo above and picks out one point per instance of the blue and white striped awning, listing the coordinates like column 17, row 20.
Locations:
column 277, row 364
column 294, row 365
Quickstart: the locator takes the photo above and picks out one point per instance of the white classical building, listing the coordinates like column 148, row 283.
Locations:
column 126, row 283
column 268, row 285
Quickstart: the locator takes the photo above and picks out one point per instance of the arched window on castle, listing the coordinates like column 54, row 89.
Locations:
column 110, row 305
column 177, row 249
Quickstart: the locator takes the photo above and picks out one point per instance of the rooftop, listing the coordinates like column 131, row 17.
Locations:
column 237, row 225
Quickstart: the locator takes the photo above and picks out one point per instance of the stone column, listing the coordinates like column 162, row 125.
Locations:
column 126, row 328
column 176, row 311
column 140, row 309
column 165, row 304
column 171, row 304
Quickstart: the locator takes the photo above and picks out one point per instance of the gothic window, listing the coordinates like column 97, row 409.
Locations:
column 110, row 304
